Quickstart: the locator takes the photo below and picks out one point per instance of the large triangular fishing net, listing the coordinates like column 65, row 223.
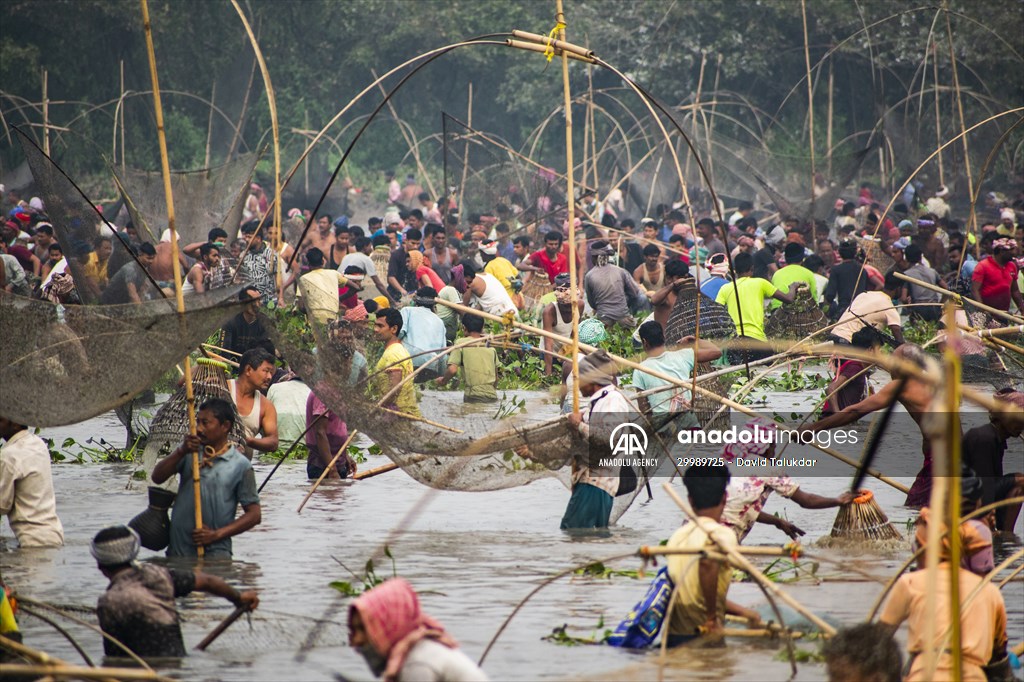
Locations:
column 76, row 222
column 203, row 199
column 65, row 364
column 485, row 173
column 481, row 453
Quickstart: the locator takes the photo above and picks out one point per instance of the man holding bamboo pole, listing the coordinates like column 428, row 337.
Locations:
column 226, row 481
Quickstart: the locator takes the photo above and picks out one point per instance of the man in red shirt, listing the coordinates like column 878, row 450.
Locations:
column 994, row 281
column 551, row 260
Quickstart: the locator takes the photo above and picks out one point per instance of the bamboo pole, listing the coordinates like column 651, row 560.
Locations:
column 165, row 169
column 465, row 155
column 810, row 93
column 370, row 473
column 676, row 382
column 693, row 112
column 327, row 470
column 64, row 672
column 571, row 201
column 741, row 561
column 209, row 127
column 963, row 122
column 414, row 148
column 124, row 166
column 46, row 115
column 952, row 365
column 272, row 105
column 241, row 115
column 938, row 111
column 422, row 420
column 709, row 127
column 828, row 131
column 222, row 626
column 961, row 299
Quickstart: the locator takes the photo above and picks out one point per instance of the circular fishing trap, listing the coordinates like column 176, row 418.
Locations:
column 538, row 286
column 715, row 324
column 170, row 424
column 863, row 520
column 796, row 320
column 875, row 256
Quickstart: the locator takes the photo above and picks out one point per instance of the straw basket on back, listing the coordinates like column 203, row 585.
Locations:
column 715, row 323
column 170, row 425
column 862, row 520
column 796, row 320
column 538, row 286
column 875, row 256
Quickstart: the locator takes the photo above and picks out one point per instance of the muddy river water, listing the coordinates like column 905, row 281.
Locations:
column 473, row 557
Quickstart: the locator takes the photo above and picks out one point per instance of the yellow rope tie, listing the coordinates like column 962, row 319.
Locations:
column 549, row 51
column 508, row 321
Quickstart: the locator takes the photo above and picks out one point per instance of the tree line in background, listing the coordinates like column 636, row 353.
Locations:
column 886, row 62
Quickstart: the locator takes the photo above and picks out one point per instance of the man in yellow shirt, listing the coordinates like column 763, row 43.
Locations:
column 318, row 289
column 745, row 300
column 96, row 266
column 501, row 269
column 702, row 584
column 395, row 365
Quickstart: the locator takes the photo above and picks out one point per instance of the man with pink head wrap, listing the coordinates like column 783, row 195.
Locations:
column 400, row 642
column 747, row 495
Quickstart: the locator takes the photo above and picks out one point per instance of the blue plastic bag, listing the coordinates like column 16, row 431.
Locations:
column 643, row 623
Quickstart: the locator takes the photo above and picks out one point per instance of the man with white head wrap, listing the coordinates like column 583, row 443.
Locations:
column 610, row 290
column 138, row 607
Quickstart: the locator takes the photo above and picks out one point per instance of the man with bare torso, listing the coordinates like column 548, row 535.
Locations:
column 664, row 299
column 916, row 396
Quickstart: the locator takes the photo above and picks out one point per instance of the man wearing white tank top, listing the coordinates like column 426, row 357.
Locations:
column 486, row 292
column 255, row 412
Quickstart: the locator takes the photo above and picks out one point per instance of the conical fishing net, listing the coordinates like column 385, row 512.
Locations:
column 203, row 199
column 76, row 225
column 715, row 324
column 796, row 320
column 453, row 445
column 62, row 365
column 170, row 424
column 485, row 173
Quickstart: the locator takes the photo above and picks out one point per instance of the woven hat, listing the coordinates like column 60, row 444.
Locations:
column 117, row 551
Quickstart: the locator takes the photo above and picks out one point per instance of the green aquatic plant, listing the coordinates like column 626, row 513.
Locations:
column 599, row 570
column 367, row 581
column 561, row 636
column 91, row 451
column 509, row 406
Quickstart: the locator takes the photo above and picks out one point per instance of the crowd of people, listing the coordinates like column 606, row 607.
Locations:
column 411, row 280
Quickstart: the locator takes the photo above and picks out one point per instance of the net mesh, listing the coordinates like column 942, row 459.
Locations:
column 76, row 225
column 453, row 445
column 62, row 365
column 203, row 199
column 484, row 172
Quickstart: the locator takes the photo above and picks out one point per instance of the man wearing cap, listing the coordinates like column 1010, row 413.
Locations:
column 610, row 290
column 502, row 269
column 138, row 607
column 557, row 317
column 994, row 281
column 1007, row 226
column 26, row 487
column 594, row 487
column 718, row 267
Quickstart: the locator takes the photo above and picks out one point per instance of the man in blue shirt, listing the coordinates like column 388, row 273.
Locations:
column 226, row 480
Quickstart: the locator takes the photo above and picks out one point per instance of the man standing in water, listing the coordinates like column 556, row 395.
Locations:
column 226, row 481
column 257, row 414
column 26, row 487
column 916, row 396
column 395, row 366
column 138, row 607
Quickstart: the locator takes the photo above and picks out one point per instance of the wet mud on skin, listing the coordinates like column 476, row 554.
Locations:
column 473, row 557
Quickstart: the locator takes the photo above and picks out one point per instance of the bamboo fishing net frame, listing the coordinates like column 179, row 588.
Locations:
column 165, row 169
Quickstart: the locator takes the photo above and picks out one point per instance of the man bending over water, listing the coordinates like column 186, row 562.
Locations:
column 138, row 607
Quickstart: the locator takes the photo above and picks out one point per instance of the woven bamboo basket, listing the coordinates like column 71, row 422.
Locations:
column 874, row 255
column 796, row 320
column 715, row 323
column 538, row 286
column 862, row 520
column 170, row 424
